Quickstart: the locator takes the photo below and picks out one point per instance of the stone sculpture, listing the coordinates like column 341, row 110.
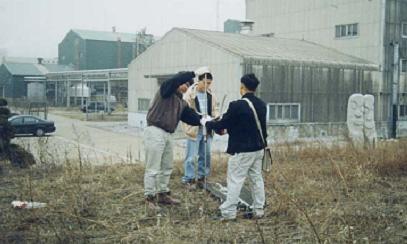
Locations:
column 360, row 119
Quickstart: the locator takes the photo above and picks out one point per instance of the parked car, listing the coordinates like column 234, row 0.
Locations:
column 96, row 106
column 28, row 124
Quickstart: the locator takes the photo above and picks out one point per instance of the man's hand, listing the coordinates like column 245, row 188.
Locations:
column 205, row 119
column 221, row 132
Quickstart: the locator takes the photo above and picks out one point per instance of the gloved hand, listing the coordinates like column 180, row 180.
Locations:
column 205, row 119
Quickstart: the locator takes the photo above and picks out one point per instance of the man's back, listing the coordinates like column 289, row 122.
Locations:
column 241, row 125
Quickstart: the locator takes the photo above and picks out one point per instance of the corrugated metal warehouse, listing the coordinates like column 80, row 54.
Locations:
column 302, row 82
column 13, row 76
column 88, row 50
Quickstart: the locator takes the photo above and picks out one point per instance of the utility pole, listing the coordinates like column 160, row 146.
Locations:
column 395, row 89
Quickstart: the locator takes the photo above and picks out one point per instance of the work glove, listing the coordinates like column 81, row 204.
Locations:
column 205, row 119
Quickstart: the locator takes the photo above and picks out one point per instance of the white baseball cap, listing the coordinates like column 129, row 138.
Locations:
column 202, row 70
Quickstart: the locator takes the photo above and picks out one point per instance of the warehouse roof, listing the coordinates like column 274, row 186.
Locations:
column 32, row 69
column 271, row 49
column 105, row 35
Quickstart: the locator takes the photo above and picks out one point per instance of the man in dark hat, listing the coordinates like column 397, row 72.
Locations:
column 245, row 146
column 166, row 110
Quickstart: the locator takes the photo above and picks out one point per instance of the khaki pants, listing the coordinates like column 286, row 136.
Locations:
column 159, row 160
column 240, row 166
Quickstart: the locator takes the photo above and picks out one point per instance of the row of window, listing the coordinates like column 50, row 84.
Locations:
column 403, row 112
column 350, row 30
column 283, row 112
column 346, row 30
column 403, row 64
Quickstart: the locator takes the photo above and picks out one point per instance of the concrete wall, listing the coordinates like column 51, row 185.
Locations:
column 177, row 51
column 323, row 132
column 315, row 20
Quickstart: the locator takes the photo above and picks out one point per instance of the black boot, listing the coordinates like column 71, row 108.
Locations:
column 166, row 199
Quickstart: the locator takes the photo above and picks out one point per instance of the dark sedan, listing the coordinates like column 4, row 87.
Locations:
column 28, row 124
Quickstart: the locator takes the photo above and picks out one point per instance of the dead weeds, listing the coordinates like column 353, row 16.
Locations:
column 314, row 194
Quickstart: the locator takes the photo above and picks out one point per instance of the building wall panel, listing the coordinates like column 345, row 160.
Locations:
column 177, row 52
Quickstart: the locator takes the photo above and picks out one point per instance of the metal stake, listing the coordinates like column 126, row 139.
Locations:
column 204, row 132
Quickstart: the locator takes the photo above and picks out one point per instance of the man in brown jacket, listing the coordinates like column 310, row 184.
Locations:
column 165, row 111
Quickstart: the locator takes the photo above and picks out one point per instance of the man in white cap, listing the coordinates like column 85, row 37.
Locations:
column 200, row 98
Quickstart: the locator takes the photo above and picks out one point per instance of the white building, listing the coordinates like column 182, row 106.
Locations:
column 367, row 29
column 302, row 82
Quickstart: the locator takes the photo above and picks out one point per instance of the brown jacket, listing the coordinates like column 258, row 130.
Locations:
column 165, row 113
column 191, row 98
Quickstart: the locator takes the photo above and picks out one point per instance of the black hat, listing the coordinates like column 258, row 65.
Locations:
column 250, row 81
column 184, row 77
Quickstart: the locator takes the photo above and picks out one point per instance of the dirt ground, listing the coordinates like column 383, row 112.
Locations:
column 339, row 194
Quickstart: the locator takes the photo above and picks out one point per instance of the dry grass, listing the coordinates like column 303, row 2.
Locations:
column 315, row 194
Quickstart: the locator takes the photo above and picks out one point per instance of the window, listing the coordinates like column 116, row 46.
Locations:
column 30, row 120
column 403, row 112
column 404, row 30
column 403, row 63
column 346, row 30
column 17, row 121
column 283, row 112
column 143, row 104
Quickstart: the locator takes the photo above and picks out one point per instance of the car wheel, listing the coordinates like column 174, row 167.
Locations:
column 39, row 132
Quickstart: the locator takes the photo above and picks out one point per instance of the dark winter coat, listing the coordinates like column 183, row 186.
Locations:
column 241, row 125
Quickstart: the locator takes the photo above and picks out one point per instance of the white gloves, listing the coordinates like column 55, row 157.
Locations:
column 205, row 119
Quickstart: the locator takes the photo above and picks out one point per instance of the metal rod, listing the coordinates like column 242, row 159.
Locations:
column 204, row 132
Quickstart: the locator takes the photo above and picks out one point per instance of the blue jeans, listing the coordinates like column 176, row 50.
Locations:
column 196, row 148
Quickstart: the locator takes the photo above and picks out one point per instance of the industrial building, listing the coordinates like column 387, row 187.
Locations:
column 91, row 50
column 76, row 88
column 372, row 30
column 24, row 79
column 305, row 85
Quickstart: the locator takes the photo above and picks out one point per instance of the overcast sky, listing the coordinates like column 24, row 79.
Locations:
column 33, row 28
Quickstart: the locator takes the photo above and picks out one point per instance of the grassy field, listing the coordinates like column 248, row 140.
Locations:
column 314, row 194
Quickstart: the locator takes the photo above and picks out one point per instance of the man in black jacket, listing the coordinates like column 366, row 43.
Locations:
column 246, row 147
column 164, row 114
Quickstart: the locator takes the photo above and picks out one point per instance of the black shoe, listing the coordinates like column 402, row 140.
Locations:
column 190, row 184
column 151, row 203
column 218, row 217
column 252, row 215
column 200, row 184
column 166, row 199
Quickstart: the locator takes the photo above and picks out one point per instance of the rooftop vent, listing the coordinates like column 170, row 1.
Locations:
column 246, row 26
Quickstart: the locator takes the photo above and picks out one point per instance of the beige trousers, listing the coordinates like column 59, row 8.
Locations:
column 240, row 166
column 158, row 161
